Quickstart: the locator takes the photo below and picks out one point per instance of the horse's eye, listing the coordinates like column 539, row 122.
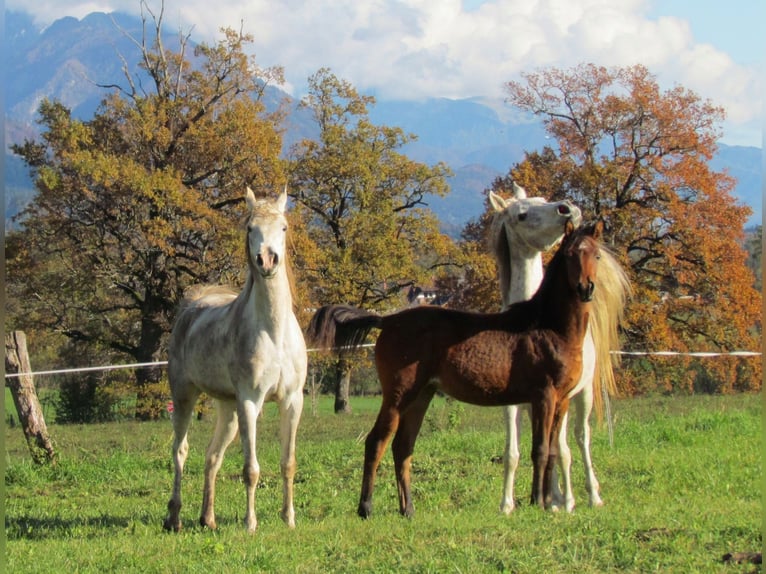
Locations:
column 522, row 216
column 284, row 228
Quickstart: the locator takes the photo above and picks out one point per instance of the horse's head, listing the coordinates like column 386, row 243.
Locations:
column 582, row 251
column 266, row 233
column 532, row 221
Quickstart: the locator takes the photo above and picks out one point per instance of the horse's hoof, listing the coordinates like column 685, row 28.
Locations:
column 171, row 526
column 207, row 523
column 288, row 518
column 364, row 511
column 558, row 506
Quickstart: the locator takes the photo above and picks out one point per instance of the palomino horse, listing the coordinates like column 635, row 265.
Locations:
column 242, row 350
column 529, row 353
column 521, row 229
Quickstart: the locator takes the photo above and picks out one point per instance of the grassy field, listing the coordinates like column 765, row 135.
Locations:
column 681, row 485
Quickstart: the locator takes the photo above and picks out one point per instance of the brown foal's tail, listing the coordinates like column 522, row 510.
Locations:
column 341, row 327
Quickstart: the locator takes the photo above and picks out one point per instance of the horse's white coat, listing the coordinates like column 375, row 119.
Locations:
column 243, row 350
column 532, row 226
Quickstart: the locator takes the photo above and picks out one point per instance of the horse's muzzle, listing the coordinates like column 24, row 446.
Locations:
column 570, row 211
column 267, row 265
column 585, row 291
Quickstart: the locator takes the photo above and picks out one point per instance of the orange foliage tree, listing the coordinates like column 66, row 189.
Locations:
column 141, row 201
column 366, row 236
column 637, row 157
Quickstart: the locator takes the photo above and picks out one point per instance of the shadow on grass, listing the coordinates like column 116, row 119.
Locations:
column 35, row 528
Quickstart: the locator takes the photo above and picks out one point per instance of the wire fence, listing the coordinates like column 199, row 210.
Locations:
column 701, row 354
column 77, row 400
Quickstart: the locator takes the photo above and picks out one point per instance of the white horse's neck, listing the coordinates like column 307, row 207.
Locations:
column 270, row 302
column 526, row 271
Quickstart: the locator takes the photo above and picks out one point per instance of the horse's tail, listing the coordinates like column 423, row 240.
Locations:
column 609, row 299
column 214, row 294
column 337, row 327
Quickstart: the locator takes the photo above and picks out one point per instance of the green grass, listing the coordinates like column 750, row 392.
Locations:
column 681, row 485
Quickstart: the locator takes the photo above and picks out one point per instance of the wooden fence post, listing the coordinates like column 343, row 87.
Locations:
column 25, row 398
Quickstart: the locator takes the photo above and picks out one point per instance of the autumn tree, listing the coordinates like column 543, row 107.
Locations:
column 754, row 247
column 140, row 201
column 368, row 234
column 472, row 284
column 638, row 157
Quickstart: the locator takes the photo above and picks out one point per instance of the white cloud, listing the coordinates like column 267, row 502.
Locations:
column 420, row 48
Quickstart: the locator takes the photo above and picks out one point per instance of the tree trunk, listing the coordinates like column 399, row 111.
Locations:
column 151, row 394
column 342, row 385
column 25, row 398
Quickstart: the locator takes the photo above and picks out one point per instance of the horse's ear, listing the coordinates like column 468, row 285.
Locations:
column 282, row 200
column 497, row 202
column 598, row 229
column 519, row 192
column 250, row 198
column 569, row 228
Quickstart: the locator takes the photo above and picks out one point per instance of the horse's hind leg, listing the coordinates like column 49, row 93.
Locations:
column 290, row 414
column 182, row 413
column 225, row 430
column 404, row 444
column 374, row 447
column 512, row 414
column 584, row 406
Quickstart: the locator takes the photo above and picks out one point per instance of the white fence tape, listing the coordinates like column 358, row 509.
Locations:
column 692, row 354
column 163, row 363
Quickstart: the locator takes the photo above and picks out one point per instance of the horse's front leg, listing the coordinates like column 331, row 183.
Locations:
column 248, row 410
column 563, row 499
column 225, row 430
column 542, row 421
column 560, row 410
column 374, row 447
column 512, row 414
column 290, row 414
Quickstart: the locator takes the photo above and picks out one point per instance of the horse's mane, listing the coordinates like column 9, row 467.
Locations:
column 499, row 244
column 608, row 306
column 500, row 248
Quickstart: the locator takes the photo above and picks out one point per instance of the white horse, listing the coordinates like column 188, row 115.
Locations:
column 242, row 350
column 521, row 229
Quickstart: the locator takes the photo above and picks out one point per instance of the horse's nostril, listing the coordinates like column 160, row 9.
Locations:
column 259, row 260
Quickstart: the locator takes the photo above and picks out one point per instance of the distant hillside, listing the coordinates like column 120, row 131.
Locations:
column 478, row 138
column 746, row 165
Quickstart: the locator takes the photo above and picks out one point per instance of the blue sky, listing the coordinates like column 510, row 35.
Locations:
column 413, row 49
column 734, row 26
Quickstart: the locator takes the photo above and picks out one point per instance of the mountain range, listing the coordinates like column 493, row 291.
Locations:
column 478, row 138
